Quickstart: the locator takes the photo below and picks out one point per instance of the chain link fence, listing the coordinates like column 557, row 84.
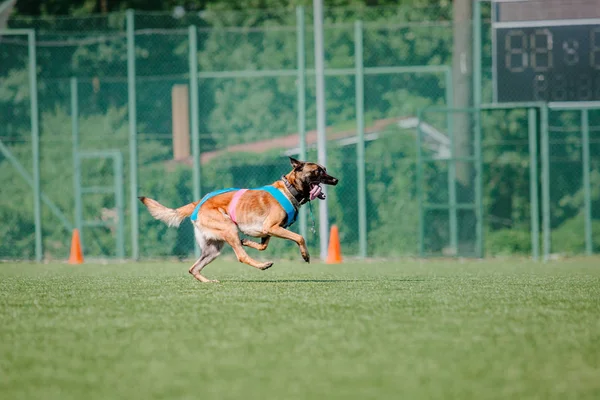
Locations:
column 18, row 222
column 255, row 98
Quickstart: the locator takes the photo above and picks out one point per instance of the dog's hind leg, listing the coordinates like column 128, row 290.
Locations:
column 210, row 250
column 223, row 228
column 264, row 242
column 232, row 238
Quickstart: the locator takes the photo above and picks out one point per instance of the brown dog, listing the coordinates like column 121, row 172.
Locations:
column 262, row 213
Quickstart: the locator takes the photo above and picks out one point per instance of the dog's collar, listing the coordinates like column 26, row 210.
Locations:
column 297, row 198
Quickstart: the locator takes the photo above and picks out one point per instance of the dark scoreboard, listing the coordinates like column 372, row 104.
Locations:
column 553, row 61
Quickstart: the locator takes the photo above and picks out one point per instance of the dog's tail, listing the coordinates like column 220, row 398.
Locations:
column 170, row 216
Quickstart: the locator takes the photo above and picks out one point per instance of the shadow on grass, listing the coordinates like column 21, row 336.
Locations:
column 318, row 280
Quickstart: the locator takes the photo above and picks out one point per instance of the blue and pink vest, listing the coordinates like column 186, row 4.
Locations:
column 292, row 212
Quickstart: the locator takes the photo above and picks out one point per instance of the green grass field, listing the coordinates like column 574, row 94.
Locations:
column 380, row 330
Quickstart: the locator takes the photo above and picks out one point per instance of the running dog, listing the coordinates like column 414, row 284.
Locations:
column 262, row 212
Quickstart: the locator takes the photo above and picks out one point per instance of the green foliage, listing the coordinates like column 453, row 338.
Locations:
column 85, row 7
column 247, row 109
column 14, row 91
column 106, row 131
column 569, row 237
column 505, row 155
column 391, row 187
column 505, row 242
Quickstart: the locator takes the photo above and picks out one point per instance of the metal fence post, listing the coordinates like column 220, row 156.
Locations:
column 587, row 196
column 533, row 185
column 452, row 210
column 132, row 104
column 477, row 77
column 195, row 124
column 479, row 185
column 545, row 154
column 76, row 163
column 301, row 88
column 321, row 116
column 477, row 100
column 119, row 203
column 420, row 184
column 360, row 144
column 35, row 143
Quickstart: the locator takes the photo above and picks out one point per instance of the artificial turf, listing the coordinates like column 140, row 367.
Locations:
column 505, row 329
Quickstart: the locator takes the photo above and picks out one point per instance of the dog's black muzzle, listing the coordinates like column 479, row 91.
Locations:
column 329, row 180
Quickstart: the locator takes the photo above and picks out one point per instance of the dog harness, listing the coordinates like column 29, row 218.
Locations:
column 233, row 204
column 286, row 204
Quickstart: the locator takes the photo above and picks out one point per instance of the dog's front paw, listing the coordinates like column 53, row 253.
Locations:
column 306, row 257
column 266, row 265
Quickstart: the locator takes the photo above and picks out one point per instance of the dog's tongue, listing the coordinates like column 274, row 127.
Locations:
column 317, row 192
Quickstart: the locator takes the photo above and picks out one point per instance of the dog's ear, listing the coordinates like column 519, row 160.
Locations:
column 296, row 164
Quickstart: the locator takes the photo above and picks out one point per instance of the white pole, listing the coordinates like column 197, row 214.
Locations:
column 321, row 117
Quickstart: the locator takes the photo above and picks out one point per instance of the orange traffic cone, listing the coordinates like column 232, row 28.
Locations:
column 334, row 252
column 76, row 256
